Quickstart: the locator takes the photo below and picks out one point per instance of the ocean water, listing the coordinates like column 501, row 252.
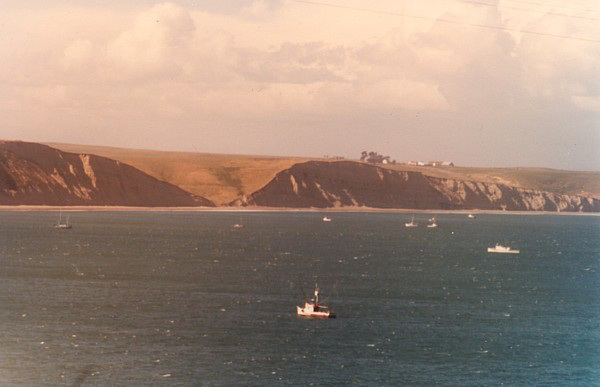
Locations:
column 183, row 298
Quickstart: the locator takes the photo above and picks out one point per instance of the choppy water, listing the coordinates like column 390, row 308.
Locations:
column 131, row 298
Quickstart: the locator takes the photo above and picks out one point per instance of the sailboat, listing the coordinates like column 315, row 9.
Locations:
column 412, row 223
column 432, row 223
column 62, row 225
column 313, row 309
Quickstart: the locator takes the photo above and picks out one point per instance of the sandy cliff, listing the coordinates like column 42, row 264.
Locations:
column 345, row 183
column 33, row 174
column 218, row 177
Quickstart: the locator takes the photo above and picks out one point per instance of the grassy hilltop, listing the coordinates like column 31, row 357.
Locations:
column 223, row 178
column 218, row 177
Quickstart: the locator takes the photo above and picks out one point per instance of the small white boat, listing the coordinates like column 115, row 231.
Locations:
column 502, row 249
column 62, row 225
column 312, row 309
column 412, row 223
column 471, row 216
column 326, row 219
column 432, row 223
column 239, row 225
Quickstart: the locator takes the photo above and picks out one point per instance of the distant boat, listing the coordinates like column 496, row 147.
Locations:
column 502, row 249
column 239, row 225
column 432, row 223
column 412, row 223
column 312, row 308
column 471, row 216
column 62, row 225
column 326, row 219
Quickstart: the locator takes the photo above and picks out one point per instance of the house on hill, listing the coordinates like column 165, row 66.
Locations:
column 440, row 163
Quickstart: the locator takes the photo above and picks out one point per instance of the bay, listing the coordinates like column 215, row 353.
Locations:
column 154, row 298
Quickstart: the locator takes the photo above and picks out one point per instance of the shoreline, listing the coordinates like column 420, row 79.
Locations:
column 47, row 208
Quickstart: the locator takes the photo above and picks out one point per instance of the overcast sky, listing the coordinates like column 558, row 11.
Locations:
column 480, row 83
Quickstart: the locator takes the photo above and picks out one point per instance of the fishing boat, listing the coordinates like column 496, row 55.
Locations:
column 412, row 223
column 502, row 249
column 432, row 223
column 62, row 225
column 326, row 219
column 313, row 309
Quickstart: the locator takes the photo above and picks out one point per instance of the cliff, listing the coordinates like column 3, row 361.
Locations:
column 36, row 174
column 345, row 183
column 220, row 178
column 223, row 178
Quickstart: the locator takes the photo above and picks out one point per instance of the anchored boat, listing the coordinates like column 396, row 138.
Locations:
column 432, row 223
column 502, row 249
column 239, row 225
column 312, row 309
column 62, row 225
column 411, row 224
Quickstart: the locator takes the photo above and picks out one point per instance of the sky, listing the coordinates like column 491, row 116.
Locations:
column 492, row 83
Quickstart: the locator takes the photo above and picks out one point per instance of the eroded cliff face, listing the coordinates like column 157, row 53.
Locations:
column 37, row 174
column 345, row 183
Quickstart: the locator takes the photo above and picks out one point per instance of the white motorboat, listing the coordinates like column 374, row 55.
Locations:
column 471, row 216
column 312, row 309
column 412, row 223
column 326, row 219
column 502, row 249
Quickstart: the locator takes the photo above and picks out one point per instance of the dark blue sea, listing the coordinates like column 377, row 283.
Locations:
column 183, row 298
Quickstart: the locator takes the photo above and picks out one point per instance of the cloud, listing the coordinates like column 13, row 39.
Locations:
column 78, row 55
column 260, row 9
column 155, row 44
column 584, row 102
column 276, row 67
column 294, row 63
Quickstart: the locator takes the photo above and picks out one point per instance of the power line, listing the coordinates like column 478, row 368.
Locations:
column 529, row 10
column 448, row 21
column 553, row 6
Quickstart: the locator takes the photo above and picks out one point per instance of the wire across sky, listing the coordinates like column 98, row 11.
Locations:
column 449, row 21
